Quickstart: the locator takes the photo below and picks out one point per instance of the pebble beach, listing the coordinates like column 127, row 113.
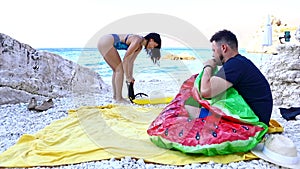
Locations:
column 16, row 120
column 48, row 50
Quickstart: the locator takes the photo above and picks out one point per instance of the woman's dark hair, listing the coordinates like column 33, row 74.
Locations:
column 155, row 37
column 225, row 36
column 155, row 52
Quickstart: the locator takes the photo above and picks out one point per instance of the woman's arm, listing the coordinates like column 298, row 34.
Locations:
column 129, row 58
column 128, row 66
column 131, row 64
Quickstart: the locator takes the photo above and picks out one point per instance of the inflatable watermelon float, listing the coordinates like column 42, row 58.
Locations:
column 221, row 125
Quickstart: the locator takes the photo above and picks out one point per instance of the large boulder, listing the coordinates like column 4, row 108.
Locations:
column 26, row 72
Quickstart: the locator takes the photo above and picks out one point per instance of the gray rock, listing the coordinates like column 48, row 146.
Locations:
column 26, row 72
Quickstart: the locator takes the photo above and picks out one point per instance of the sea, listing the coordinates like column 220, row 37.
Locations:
column 144, row 69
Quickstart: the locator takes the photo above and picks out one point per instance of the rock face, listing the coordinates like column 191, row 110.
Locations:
column 297, row 34
column 283, row 74
column 26, row 72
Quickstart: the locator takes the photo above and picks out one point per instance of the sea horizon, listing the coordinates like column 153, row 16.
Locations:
column 143, row 67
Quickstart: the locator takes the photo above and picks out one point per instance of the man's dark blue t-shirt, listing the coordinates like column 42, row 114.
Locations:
column 251, row 85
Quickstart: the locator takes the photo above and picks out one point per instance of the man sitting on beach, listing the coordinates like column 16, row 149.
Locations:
column 238, row 72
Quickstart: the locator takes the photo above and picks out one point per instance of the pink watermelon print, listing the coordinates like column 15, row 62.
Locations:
column 223, row 126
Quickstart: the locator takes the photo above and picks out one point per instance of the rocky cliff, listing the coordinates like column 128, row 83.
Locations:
column 26, row 72
column 283, row 74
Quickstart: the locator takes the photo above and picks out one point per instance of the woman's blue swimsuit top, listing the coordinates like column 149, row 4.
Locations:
column 118, row 44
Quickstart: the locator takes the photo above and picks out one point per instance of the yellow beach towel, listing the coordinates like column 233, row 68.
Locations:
column 97, row 133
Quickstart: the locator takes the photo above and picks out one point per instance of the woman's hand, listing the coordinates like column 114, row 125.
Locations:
column 130, row 80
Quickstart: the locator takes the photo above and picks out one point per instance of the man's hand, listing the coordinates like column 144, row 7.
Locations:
column 211, row 62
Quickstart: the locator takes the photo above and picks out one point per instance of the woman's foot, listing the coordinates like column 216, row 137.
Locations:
column 122, row 101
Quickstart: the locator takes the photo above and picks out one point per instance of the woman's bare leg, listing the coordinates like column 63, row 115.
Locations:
column 113, row 59
column 113, row 84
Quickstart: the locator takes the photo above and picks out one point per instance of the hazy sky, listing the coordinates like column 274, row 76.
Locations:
column 71, row 23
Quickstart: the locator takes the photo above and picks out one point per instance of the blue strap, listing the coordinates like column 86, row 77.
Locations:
column 118, row 44
column 126, row 38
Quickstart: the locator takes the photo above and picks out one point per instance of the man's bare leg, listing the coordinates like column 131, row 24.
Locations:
column 194, row 112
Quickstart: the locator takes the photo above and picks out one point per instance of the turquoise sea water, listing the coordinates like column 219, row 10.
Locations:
column 144, row 69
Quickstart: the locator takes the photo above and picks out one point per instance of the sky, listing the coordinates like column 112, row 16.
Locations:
column 71, row 23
